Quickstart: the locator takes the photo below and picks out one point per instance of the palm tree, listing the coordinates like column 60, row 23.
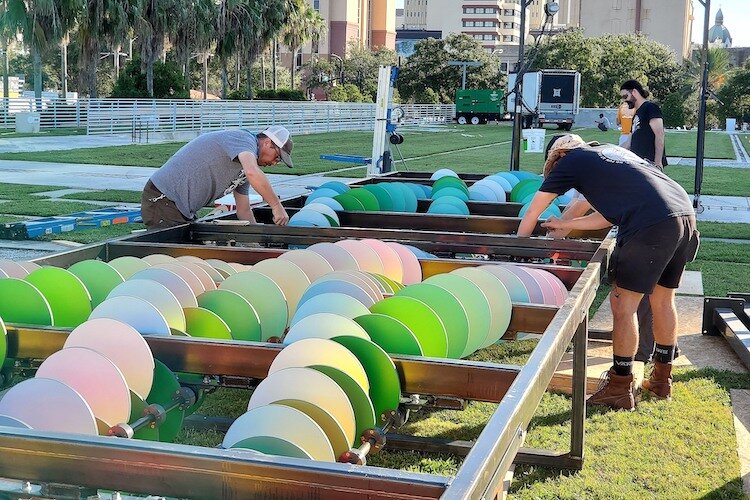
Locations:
column 233, row 18
column 194, row 31
column 257, row 38
column 42, row 23
column 302, row 27
column 154, row 20
column 101, row 21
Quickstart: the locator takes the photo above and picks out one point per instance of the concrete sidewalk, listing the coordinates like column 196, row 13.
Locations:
column 68, row 142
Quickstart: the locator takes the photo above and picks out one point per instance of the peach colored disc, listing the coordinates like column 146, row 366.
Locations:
column 215, row 275
column 289, row 276
column 95, row 377
column 558, row 297
column 13, row 269
column 196, row 285
column 238, row 268
column 393, row 268
column 170, row 279
column 339, row 258
column 123, row 345
column 200, row 271
column 548, row 295
column 49, row 405
column 366, row 257
column 312, row 264
column 412, row 269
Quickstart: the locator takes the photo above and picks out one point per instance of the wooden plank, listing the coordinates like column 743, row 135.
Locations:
column 596, row 366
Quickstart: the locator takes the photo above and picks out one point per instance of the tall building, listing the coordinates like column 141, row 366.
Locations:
column 718, row 35
column 667, row 21
column 366, row 23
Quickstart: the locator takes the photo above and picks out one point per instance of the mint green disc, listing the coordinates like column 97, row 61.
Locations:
column 385, row 387
column 385, row 200
column 127, row 266
column 450, row 310
column 349, row 202
column 525, row 188
column 205, row 324
column 265, row 296
column 163, row 391
column 364, row 413
column 272, row 446
column 498, row 299
column 421, row 319
column 474, row 302
column 449, row 181
column 67, row 296
column 22, row 302
column 98, row 277
column 235, row 310
column 390, row 334
column 368, row 200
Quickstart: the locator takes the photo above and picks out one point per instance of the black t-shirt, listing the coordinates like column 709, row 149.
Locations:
column 628, row 191
column 643, row 141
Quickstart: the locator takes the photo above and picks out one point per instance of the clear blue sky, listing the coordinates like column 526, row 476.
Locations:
column 736, row 19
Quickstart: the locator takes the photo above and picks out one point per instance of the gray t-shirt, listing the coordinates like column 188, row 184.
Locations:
column 205, row 169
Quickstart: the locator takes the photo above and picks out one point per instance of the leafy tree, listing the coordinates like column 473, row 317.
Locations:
column 606, row 61
column 427, row 96
column 428, row 68
column 319, row 73
column 362, row 64
column 168, row 82
column 735, row 94
column 194, row 31
column 337, row 93
column 673, row 109
column 42, row 23
column 347, row 93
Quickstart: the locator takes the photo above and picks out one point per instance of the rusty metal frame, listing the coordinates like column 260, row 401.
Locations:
column 180, row 470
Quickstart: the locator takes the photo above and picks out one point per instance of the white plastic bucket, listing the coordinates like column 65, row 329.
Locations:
column 534, row 139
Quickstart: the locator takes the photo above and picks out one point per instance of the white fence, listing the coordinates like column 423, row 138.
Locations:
column 55, row 113
column 138, row 117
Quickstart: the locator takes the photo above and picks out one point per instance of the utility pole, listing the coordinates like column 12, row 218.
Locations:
column 699, row 147
column 464, row 65
column 550, row 9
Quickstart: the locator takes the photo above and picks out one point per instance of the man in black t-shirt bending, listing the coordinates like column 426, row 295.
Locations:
column 647, row 139
column 656, row 238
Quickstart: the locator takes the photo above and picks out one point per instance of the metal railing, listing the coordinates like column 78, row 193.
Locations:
column 54, row 113
column 141, row 117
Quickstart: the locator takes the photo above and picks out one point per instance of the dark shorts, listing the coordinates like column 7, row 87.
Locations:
column 158, row 211
column 655, row 255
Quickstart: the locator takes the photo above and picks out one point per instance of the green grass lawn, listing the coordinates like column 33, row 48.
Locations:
column 46, row 132
column 725, row 267
column 453, row 138
column 731, row 230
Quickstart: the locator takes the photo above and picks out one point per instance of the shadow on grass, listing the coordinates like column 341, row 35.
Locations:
column 725, row 379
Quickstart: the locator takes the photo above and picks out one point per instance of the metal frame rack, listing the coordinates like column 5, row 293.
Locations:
column 730, row 317
column 189, row 471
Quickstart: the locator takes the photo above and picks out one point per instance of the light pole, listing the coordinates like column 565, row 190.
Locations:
column 550, row 9
column 699, row 147
column 341, row 62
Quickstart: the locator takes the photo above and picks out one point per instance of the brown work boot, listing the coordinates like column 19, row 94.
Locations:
column 615, row 391
column 660, row 382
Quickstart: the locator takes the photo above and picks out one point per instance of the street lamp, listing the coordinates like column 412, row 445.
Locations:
column 341, row 61
column 550, row 9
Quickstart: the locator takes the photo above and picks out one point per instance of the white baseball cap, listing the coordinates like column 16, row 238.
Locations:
column 280, row 136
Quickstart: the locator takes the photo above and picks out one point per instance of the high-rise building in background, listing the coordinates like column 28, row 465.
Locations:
column 666, row 21
column 364, row 23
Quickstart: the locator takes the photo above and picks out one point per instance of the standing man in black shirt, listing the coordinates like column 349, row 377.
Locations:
column 656, row 238
column 647, row 140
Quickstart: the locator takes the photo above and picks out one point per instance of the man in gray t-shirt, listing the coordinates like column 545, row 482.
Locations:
column 211, row 166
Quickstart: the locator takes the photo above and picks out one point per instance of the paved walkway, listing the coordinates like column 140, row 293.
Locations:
column 62, row 142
